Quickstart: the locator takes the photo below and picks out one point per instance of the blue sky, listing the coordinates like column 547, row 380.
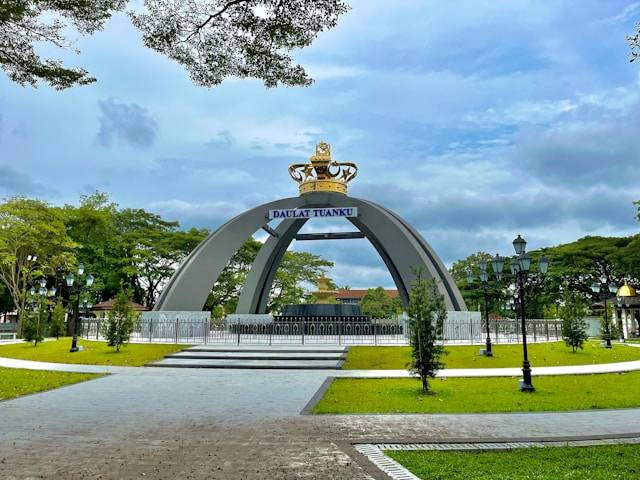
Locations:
column 475, row 120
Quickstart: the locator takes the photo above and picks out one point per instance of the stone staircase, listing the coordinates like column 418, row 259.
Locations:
column 282, row 357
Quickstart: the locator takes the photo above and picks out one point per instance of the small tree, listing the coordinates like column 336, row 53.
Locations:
column 34, row 325
column 56, row 328
column 427, row 313
column 120, row 321
column 572, row 313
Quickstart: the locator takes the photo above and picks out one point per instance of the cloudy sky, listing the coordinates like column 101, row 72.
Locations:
column 475, row 120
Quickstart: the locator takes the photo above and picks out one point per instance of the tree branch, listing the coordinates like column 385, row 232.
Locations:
column 212, row 16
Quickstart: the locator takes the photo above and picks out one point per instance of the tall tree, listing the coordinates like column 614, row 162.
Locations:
column 578, row 264
column 296, row 268
column 226, row 291
column 6, row 302
column 471, row 292
column 30, row 229
column 212, row 39
column 92, row 225
column 150, row 250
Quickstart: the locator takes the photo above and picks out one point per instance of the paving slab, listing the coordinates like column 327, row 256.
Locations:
column 294, row 364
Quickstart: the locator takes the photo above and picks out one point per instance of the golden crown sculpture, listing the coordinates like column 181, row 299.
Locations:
column 323, row 174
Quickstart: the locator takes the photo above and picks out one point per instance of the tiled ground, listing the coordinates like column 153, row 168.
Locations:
column 225, row 424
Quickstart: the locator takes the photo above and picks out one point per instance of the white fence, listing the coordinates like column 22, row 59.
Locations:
column 377, row 332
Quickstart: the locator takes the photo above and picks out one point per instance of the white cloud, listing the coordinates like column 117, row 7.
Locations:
column 630, row 11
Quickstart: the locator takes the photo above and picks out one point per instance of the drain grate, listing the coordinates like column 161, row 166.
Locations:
column 384, row 463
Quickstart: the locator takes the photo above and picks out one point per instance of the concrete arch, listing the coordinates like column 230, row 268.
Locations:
column 400, row 247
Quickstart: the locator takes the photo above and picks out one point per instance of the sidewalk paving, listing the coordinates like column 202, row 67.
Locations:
column 447, row 372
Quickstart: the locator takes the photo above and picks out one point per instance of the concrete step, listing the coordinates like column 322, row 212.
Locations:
column 270, row 364
column 256, row 356
column 267, row 348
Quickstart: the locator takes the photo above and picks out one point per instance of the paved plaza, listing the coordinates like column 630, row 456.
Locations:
column 223, row 424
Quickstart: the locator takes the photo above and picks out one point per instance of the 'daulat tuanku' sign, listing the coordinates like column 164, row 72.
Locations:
column 313, row 212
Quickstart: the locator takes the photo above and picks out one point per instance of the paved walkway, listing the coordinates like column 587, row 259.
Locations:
column 447, row 372
column 222, row 424
column 166, row 423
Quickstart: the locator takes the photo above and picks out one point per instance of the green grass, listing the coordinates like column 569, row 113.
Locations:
column 93, row 353
column 453, row 395
column 549, row 463
column 15, row 382
column 467, row 356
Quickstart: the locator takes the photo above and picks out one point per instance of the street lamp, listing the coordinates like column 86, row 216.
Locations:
column 602, row 290
column 484, row 278
column 70, row 280
column 520, row 266
column 619, row 314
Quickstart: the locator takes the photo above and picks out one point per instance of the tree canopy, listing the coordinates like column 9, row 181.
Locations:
column 634, row 43
column 26, row 22
column 296, row 270
column 33, row 243
column 378, row 304
column 123, row 249
column 211, row 39
column 574, row 266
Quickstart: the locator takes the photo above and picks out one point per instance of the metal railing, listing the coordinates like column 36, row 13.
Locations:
column 377, row 332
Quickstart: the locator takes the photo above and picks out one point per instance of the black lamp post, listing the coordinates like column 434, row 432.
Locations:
column 70, row 279
column 520, row 266
column 619, row 315
column 602, row 290
column 484, row 278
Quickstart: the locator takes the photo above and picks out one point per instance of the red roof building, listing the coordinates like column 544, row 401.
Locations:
column 102, row 308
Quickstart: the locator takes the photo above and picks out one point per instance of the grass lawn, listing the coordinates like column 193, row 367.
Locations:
column 93, row 353
column 549, row 463
column 467, row 356
column 452, row 395
column 15, row 382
